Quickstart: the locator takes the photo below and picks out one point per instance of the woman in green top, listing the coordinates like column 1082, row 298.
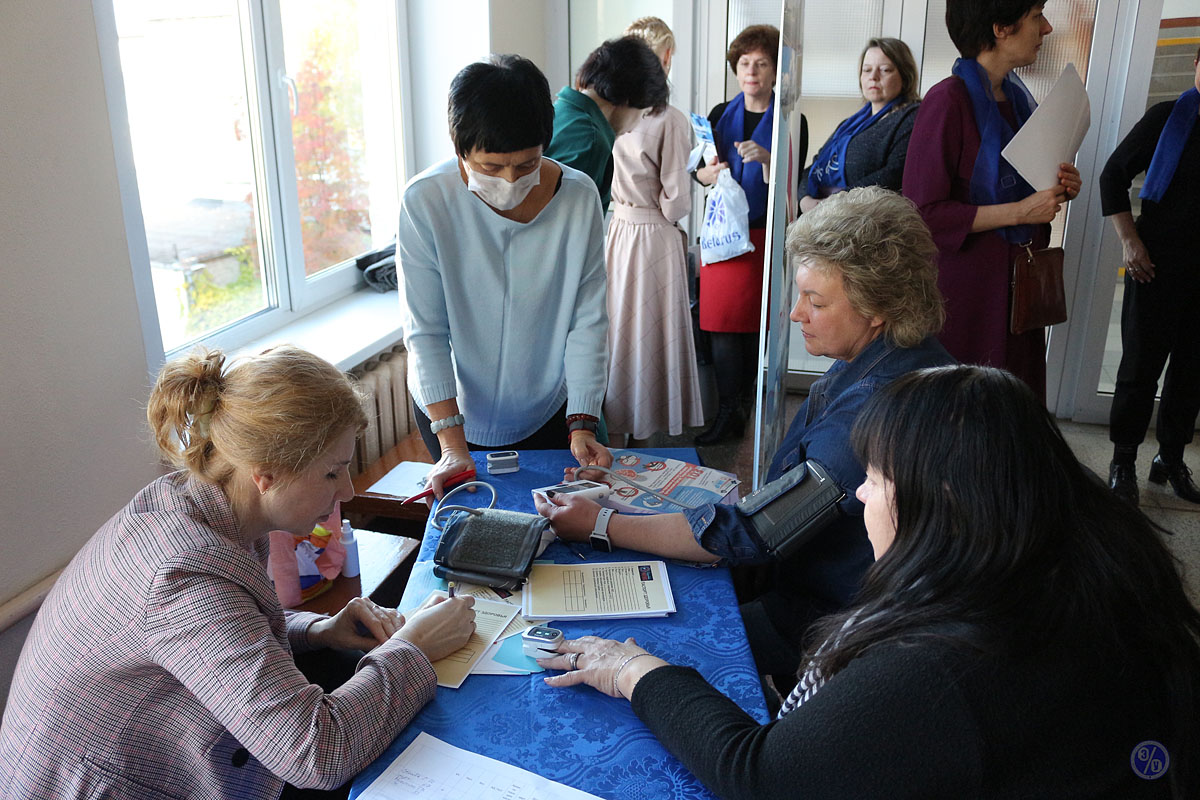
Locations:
column 617, row 82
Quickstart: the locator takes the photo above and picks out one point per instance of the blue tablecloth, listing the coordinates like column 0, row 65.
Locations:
column 578, row 736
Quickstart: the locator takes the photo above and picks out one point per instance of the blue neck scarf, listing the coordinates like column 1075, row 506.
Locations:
column 1170, row 145
column 828, row 168
column 731, row 128
column 993, row 179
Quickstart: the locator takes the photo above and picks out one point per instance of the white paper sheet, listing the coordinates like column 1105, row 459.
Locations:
column 1052, row 135
column 403, row 480
column 430, row 769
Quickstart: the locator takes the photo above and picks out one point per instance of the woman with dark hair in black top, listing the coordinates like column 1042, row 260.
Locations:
column 1023, row 633
column 1162, row 291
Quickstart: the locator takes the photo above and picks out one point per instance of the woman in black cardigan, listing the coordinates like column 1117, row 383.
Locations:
column 1023, row 633
column 868, row 148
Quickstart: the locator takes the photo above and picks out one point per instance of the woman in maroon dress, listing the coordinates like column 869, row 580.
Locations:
column 980, row 211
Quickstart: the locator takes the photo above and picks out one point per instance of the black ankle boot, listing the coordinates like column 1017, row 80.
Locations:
column 1122, row 479
column 1179, row 476
column 729, row 423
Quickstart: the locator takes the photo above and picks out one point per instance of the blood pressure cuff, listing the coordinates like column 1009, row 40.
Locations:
column 787, row 512
column 491, row 546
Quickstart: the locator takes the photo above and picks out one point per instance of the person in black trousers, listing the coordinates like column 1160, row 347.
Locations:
column 1162, row 292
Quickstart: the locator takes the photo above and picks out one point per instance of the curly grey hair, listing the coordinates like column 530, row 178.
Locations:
column 875, row 239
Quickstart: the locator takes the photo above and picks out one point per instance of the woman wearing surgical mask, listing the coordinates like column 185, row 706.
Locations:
column 502, row 256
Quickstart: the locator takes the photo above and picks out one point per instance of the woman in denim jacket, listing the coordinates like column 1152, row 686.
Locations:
column 867, row 296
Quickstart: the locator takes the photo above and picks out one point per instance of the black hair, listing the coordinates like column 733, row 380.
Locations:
column 501, row 105
column 969, row 22
column 625, row 72
column 1005, row 543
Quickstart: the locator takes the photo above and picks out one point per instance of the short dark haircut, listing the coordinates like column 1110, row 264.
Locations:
column 754, row 37
column 1004, row 543
column 902, row 59
column 501, row 105
column 969, row 22
column 625, row 72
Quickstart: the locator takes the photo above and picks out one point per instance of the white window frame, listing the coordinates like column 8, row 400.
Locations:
column 290, row 294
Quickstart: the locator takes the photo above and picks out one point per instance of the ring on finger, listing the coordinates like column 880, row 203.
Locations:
column 573, row 661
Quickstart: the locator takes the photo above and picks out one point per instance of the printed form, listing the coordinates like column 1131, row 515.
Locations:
column 606, row 590
column 430, row 769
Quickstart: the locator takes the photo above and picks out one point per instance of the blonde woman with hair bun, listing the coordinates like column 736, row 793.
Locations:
column 161, row 663
column 653, row 380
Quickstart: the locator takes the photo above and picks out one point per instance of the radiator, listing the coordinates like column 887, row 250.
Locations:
column 387, row 404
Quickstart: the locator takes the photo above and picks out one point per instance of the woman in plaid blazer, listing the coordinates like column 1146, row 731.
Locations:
column 161, row 664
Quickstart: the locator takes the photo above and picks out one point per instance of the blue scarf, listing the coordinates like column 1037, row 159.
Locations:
column 828, row 168
column 1170, row 145
column 993, row 180
column 731, row 128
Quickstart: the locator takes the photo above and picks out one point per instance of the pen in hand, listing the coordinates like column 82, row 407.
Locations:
column 451, row 592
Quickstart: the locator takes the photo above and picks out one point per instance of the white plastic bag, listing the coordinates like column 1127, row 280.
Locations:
column 725, row 233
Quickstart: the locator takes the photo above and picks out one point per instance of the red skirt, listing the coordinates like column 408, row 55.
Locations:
column 731, row 291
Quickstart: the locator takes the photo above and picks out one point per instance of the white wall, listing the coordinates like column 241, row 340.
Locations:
column 1179, row 8
column 75, row 445
column 536, row 29
column 443, row 38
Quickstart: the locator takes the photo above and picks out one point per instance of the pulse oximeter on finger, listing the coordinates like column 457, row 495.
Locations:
column 541, row 641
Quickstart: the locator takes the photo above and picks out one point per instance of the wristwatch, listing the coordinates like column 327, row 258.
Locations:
column 599, row 539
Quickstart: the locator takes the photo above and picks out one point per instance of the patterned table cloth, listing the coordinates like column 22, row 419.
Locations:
column 579, row 736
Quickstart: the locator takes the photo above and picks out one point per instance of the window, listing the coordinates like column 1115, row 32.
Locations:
column 265, row 138
column 834, row 35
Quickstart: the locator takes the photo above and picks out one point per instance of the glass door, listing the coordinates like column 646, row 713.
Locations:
column 1150, row 42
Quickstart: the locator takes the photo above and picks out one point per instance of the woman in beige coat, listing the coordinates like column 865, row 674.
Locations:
column 652, row 376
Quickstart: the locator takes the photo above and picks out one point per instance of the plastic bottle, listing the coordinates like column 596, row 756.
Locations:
column 350, row 567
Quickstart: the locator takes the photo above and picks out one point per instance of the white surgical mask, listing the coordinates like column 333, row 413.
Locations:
column 499, row 193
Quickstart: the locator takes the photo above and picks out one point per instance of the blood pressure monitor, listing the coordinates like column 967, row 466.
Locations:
column 589, row 489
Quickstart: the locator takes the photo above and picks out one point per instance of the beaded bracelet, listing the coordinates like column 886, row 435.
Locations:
column 617, row 674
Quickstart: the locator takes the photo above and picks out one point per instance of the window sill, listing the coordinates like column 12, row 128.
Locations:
column 346, row 332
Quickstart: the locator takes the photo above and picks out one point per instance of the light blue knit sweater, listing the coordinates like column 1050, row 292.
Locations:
column 508, row 317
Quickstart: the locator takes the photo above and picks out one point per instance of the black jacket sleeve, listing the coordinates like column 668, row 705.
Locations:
column 892, row 719
column 1132, row 156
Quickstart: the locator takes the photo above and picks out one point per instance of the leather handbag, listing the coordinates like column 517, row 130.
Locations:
column 1038, row 297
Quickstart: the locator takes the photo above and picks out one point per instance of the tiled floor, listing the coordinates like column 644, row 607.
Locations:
column 1091, row 446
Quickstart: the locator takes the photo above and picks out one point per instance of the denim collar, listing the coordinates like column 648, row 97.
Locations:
column 845, row 374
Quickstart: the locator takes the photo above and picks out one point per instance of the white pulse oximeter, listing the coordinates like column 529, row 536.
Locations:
column 541, row 641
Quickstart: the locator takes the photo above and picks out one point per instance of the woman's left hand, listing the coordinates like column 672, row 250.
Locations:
column 604, row 664
column 1068, row 176
column 588, row 452
column 343, row 631
column 571, row 517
